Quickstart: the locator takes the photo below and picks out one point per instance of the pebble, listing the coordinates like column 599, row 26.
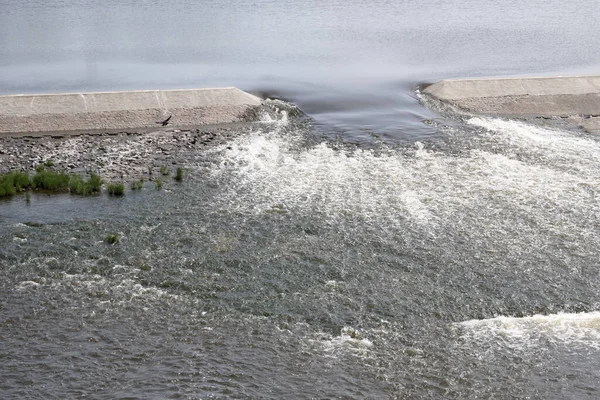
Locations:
column 112, row 155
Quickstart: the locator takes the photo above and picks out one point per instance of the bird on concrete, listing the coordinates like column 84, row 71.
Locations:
column 166, row 121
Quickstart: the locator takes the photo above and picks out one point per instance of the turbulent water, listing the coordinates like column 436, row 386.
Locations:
column 288, row 266
column 372, row 249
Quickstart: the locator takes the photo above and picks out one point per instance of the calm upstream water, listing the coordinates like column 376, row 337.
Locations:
column 373, row 250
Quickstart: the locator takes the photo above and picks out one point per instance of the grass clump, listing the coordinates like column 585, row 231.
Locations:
column 50, row 180
column 179, row 175
column 7, row 187
column 90, row 186
column 116, row 189
column 158, row 184
column 94, row 182
column 112, row 238
column 165, row 170
column 12, row 182
column 137, row 185
column 20, row 180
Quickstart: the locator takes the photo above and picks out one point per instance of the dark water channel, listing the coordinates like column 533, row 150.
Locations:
column 310, row 259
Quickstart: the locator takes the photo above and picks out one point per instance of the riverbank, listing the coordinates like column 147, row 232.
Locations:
column 114, row 156
column 125, row 149
column 126, row 155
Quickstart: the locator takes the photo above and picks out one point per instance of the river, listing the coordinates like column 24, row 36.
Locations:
column 375, row 249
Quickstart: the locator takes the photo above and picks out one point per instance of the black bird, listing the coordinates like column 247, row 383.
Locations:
column 166, row 121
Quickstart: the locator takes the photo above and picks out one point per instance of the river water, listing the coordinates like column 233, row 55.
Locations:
column 376, row 249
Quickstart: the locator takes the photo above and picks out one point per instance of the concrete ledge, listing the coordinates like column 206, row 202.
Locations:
column 522, row 97
column 125, row 110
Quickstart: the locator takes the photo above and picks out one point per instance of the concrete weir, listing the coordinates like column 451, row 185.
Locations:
column 576, row 97
column 111, row 111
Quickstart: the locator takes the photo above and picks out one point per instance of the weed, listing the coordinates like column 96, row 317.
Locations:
column 49, row 163
column 165, row 170
column 179, row 176
column 158, row 183
column 6, row 187
column 50, row 180
column 21, row 180
column 137, row 185
column 112, row 238
column 116, row 189
column 94, row 182
column 12, row 182
column 78, row 186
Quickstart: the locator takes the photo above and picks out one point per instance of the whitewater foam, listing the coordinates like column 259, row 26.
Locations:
column 581, row 329
column 417, row 184
column 573, row 152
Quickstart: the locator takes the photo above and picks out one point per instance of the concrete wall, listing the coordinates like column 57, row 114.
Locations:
column 522, row 97
column 125, row 110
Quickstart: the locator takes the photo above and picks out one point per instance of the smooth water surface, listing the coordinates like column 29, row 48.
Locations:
column 351, row 65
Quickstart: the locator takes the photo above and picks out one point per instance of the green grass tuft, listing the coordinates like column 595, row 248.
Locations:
column 165, row 170
column 85, row 188
column 115, row 189
column 158, row 183
column 50, row 180
column 137, row 185
column 112, row 238
column 6, row 188
column 13, row 182
column 179, row 175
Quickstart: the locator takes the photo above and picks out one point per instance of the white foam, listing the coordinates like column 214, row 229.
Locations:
column 350, row 340
column 27, row 285
column 268, row 172
column 575, row 152
column 581, row 328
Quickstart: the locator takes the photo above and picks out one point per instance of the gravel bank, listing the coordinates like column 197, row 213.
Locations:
column 128, row 156
column 119, row 156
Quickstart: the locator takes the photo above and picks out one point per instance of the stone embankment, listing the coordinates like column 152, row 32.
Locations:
column 575, row 99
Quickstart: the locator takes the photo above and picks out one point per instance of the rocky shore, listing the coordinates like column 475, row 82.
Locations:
column 127, row 156
column 124, row 156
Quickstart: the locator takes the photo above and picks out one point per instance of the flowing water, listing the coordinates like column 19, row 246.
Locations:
column 358, row 253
